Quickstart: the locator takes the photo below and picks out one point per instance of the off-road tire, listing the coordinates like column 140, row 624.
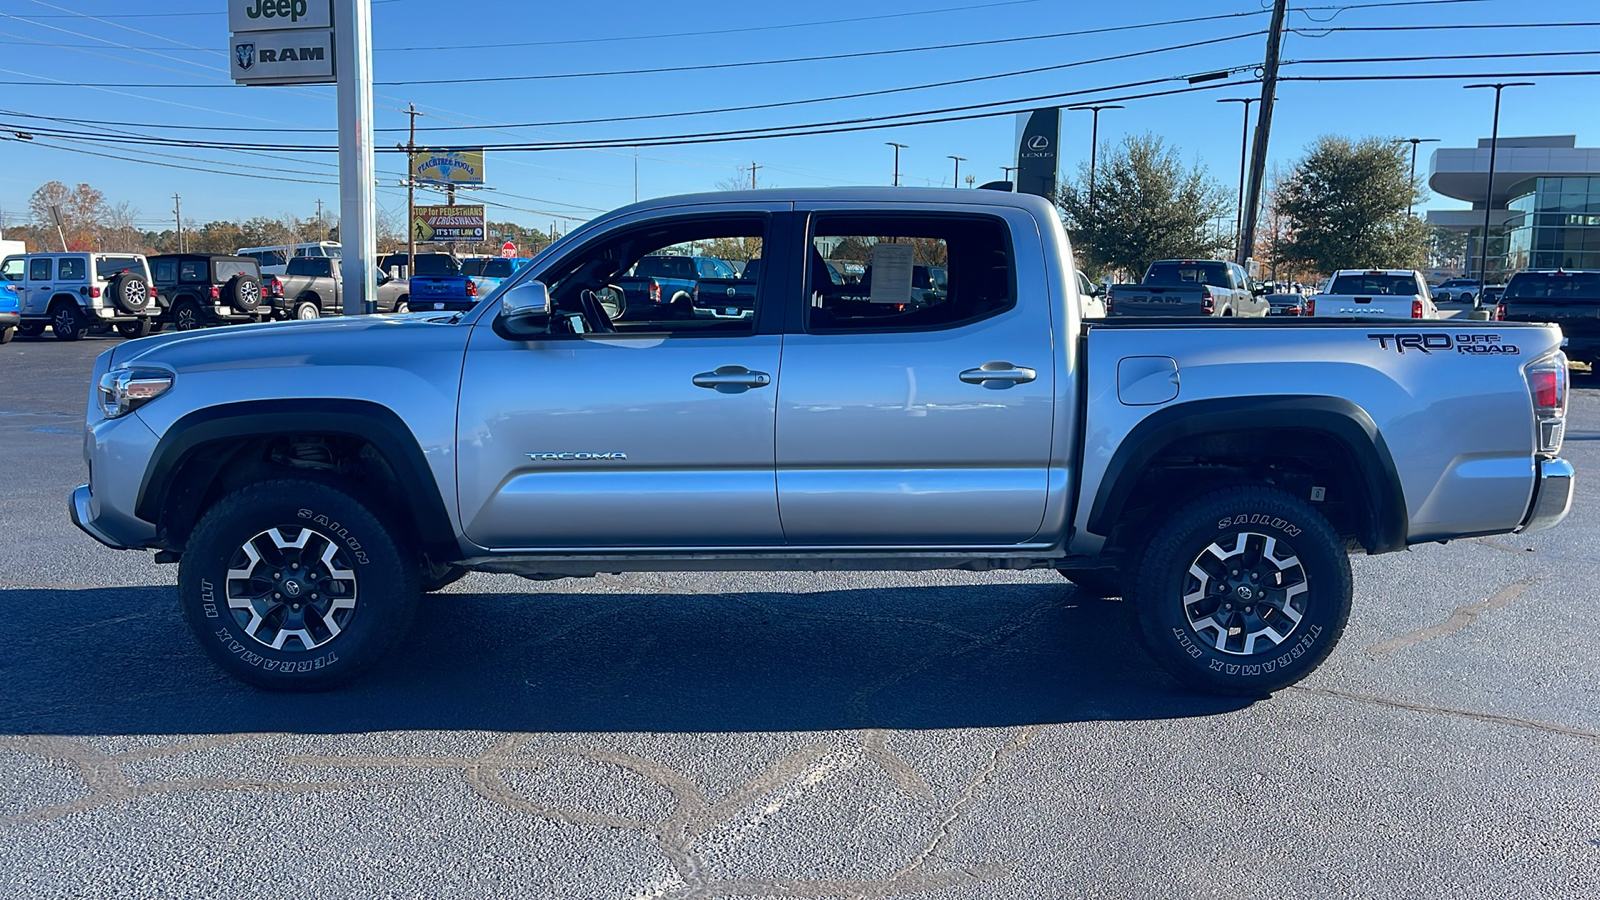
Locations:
column 243, row 293
column 187, row 316
column 135, row 329
column 348, row 553
column 1271, row 636
column 66, row 321
column 130, row 292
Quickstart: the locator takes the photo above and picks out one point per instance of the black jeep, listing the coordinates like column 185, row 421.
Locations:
column 199, row 289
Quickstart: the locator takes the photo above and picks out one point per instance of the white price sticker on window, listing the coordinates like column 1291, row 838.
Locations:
column 891, row 272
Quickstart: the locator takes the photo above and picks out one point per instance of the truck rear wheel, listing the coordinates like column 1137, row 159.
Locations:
column 1243, row 591
column 294, row 585
column 66, row 322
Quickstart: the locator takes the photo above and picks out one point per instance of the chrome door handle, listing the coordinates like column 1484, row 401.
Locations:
column 732, row 380
column 998, row 375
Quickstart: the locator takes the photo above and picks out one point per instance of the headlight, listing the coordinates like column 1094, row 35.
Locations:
column 124, row 390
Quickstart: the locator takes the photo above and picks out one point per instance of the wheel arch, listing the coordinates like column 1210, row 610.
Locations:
column 191, row 462
column 1355, row 449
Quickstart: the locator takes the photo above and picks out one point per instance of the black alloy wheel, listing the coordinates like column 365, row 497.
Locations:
column 186, row 316
column 295, row 585
column 66, row 322
column 1243, row 591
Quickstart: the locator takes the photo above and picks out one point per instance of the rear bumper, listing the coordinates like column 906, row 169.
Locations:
column 1552, row 496
column 10, row 319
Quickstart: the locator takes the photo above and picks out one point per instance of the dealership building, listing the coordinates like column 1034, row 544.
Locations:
column 1544, row 204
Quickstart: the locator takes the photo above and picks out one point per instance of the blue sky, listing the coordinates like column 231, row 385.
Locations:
column 167, row 42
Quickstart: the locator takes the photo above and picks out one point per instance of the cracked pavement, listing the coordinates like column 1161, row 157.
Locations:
column 754, row 735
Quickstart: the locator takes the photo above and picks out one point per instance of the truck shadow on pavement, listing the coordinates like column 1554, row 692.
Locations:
column 119, row 661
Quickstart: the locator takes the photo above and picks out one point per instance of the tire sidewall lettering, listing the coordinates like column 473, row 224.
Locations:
column 334, row 529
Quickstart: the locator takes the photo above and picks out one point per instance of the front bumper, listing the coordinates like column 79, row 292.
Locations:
column 1552, row 496
column 81, row 507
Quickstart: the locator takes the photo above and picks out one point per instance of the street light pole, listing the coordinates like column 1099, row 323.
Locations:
column 1488, row 191
column 1244, row 154
column 1008, row 170
column 959, row 160
column 1414, row 142
column 897, row 149
column 1094, row 138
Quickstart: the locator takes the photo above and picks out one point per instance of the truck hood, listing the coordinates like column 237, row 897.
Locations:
column 281, row 340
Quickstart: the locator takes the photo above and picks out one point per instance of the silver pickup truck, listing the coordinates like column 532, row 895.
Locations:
column 312, row 479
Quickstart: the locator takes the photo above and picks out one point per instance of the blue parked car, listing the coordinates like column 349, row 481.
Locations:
column 10, row 311
column 488, row 271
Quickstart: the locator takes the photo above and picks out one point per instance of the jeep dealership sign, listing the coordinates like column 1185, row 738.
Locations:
column 281, row 41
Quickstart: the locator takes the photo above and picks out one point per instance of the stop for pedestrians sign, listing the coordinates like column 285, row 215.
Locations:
column 508, row 250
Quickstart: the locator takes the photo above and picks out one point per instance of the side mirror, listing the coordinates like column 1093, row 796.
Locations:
column 1259, row 290
column 525, row 310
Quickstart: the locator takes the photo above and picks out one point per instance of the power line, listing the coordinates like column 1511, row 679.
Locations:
column 1540, row 54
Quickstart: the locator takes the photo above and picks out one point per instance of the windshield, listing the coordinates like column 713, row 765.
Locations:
column 1211, row 273
column 1557, row 286
column 1390, row 285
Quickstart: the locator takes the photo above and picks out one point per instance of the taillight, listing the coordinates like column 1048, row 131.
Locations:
column 1208, row 305
column 1500, row 312
column 274, row 287
column 1108, row 301
column 1547, row 382
column 655, row 291
column 94, row 292
column 216, row 292
column 1311, row 306
column 472, row 288
column 1416, row 309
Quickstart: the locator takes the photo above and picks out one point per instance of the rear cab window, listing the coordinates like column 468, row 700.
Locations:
column 1554, row 286
column 1178, row 274
column 1375, row 284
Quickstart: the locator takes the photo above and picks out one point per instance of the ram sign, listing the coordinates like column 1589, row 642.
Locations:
column 443, row 224
column 295, row 56
column 448, row 167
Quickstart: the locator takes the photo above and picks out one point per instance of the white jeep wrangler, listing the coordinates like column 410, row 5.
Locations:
column 84, row 291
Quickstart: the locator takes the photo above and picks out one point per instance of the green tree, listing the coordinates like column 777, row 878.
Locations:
column 1345, row 207
column 1147, row 205
column 1447, row 248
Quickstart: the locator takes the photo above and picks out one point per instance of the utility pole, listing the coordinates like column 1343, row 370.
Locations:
column 1414, row 142
column 1258, row 156
column 636, row 174
column 1094, row 139
column 322, row 233
column 897, row 149
column 177, row 212
column 753, row 168
column 411, row 190
column 1244, row 154
column 1488, row 190
column 959, row 160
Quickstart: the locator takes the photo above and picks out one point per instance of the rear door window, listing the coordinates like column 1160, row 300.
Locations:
column 71, row 268
column 974, row 253
column 192, row 270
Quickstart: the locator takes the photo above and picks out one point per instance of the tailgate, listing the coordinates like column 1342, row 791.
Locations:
column 1578, row 318
column 1376, row 306
column 443, row 286
column 1158, row 301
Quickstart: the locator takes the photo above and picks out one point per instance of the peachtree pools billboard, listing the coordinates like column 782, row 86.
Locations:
column 447, row 167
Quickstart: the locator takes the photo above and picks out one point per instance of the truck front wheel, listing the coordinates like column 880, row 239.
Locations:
column 294, row 585
column 1243, row 591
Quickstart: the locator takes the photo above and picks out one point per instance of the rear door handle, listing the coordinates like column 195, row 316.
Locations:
column 998, row 375
column 732, row 379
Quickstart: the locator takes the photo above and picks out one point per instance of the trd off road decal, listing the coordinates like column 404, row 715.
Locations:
column 1482, row 343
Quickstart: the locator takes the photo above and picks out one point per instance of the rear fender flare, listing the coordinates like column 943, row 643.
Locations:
column 1384, row 527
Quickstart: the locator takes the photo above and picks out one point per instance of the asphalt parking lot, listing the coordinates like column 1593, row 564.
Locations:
column 939, row 735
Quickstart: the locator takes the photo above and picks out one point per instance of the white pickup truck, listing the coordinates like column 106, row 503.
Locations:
column 312, row 479
column 1376, row 294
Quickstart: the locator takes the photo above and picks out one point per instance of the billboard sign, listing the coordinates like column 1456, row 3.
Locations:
column 1038, row 134
column 444, row 224
column 297, row 56
column 448, row 167
column 277, row 15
